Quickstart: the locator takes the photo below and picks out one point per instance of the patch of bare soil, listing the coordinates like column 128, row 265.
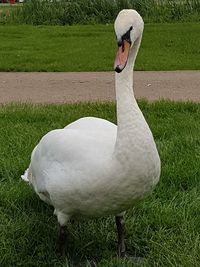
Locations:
column 60, row 87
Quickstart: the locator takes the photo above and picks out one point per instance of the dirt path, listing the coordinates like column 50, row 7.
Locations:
column 92, row 86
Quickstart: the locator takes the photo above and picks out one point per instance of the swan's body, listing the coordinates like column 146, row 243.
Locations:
column 80, row 174
column 92, row 167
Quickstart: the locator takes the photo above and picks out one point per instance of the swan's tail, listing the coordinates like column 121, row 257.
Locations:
column 25, row 176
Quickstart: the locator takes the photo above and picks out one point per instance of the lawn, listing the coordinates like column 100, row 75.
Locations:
column 92, row 48
column 164, row 228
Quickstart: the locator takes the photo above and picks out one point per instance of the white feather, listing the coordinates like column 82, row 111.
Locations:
column 25, row 176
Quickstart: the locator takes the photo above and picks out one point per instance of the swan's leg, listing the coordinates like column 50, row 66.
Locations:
column 62, row 235
column 121, row 243
column 62, row 238
column 120, row 230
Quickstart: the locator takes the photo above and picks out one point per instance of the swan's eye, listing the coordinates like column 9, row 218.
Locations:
column 126, row 36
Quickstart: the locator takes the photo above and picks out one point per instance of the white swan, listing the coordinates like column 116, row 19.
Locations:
column 92, row 167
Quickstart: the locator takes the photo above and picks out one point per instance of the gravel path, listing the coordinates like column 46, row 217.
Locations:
column 60, row 87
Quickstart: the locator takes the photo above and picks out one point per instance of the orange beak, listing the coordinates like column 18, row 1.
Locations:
column 122, row 56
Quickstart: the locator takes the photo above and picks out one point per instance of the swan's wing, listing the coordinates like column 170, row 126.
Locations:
column 80, row 144
column 91, row 124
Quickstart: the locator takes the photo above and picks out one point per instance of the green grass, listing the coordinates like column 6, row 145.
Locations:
column 52, row 12
column 164, row 228
column 93, row 48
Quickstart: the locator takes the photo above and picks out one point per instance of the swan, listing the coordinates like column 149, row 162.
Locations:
column 92, row 167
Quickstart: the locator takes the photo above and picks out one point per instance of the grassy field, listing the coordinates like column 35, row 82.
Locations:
column 164, row 228
column 93, row 48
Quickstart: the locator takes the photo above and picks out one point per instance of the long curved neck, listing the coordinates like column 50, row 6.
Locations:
column 124, row 86
column 130, row 119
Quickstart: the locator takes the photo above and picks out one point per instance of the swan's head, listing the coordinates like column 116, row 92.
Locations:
column 129, row 26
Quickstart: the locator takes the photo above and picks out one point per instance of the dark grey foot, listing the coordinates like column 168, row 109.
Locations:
column 136, row 260
column 91, row 263
column 62, row 238
column 121, row 248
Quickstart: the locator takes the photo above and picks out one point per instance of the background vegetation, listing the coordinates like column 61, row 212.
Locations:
column 164, row 228
column 92, row 48
column 62, row 12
